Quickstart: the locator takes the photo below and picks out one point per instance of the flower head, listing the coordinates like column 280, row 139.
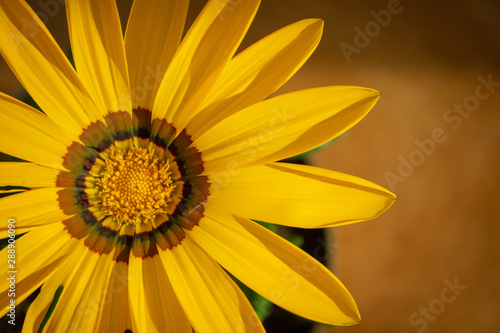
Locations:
column 150, row 159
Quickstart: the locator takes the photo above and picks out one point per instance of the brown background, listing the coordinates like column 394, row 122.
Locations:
column 445, row 224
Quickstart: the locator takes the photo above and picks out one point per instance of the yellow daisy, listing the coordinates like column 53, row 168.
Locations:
column 152, row 157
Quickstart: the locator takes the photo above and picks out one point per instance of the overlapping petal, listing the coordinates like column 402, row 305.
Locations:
column 81, row 303
column 257, row 72
column 275, row 268
column 155, row 307
column 30, row 135
column 209, row 44
column 115, row 313
column 42, row 68
column 90, row 290
column 58, row 282
column 299, row 195
column 148, row 57
column 31, row 209
column 27, row 175
column 283, row 126
column 38, row 255
column 211, row 300
column 97, row 44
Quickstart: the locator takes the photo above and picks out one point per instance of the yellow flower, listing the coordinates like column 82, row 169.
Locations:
column 150, row 161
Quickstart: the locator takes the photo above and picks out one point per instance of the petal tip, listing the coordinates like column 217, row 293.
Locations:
column 319, row 21
column 373, row 92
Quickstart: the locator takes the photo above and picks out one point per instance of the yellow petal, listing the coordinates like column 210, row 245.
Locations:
column 27, row 175
column 31, row 209
column 154, row 305
column 211, row 300
column 258, row 71
column 76, row 281
column 162, row 21
column 31, row 135
column 299, row 195
column 89, row 290
column 97, row 44
column 58, row 279
column 39, row 307
column 87, row 313
column 12, row 191
column 94, row 296
column 203, row 53
column 141, row 320
column 274, row 268
column 283, row 126
column 38, row 254
column 42, row 68
column 115, row 313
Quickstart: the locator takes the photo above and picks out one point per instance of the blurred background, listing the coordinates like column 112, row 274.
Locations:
column 431, row 263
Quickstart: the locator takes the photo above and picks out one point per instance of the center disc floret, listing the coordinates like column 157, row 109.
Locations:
column 134, row 186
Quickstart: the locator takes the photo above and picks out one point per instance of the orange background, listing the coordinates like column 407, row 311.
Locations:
column 445, row 224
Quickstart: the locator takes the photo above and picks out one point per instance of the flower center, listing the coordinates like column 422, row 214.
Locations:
column 134, row 186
